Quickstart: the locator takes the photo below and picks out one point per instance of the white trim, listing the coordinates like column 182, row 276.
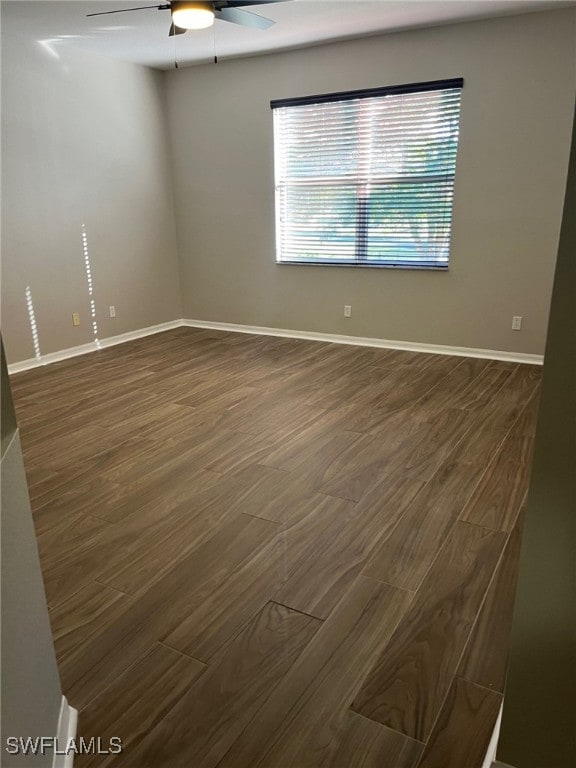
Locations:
column 83, row 349
column 491, row 752
column 67, row 724
column 361, row 341
column 334, row 338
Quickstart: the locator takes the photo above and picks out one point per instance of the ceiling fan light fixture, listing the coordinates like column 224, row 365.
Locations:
column 192, row 15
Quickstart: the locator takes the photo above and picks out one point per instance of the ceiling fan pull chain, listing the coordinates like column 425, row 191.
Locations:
column 214, row 41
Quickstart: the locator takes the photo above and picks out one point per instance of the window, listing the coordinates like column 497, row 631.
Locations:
column 366, row 178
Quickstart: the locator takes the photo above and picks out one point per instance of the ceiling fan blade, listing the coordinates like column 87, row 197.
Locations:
column 174, row 30
column 245, row 18
column 240, row 3
column 126, row 10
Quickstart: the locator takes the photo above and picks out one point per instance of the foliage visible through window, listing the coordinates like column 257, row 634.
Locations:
column 366, row 178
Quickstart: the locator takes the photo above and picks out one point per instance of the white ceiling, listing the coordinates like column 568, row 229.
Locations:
column 142, row 36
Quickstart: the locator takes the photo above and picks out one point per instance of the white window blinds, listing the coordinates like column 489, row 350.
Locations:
column 366, row 178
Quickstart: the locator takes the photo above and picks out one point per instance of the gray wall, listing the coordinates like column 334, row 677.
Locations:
column 83, row 141
column 31, row 694
column 539, row 722
column 517, row 105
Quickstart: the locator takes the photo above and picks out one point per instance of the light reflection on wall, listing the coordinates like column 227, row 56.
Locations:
column 50, row 44
column 33, row 326
column 90, row 286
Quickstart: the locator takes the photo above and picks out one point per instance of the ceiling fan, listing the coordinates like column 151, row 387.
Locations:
column 199, row 15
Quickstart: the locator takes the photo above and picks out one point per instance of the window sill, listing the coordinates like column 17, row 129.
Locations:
column 411, row 267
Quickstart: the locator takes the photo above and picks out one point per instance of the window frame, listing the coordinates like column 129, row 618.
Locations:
column 362, row 201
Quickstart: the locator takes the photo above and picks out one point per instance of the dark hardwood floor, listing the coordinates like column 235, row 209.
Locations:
column 272, row 553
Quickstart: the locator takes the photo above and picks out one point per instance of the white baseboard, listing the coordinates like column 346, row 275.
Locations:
column 83, row 349
column 67, row 724
column 491, row 752
column 361, row 341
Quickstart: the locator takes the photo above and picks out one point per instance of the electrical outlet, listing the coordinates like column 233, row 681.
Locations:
column 347, row 310
column 516, row 323
column 75, row 319
column 112, row 311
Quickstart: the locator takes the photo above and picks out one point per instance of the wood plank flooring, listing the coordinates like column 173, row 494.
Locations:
column 272, row 553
